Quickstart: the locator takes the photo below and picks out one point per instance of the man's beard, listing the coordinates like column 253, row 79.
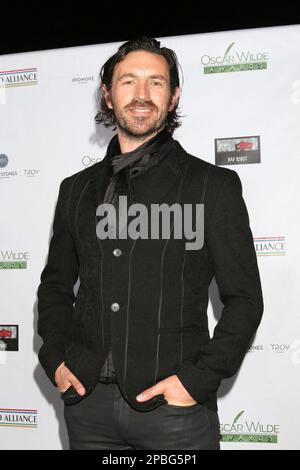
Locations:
column 133, row 130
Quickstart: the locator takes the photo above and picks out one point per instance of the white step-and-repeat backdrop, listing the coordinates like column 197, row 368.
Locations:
column 241, row 102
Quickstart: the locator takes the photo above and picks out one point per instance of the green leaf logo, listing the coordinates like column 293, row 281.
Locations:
column 227, row 50
column 237, row 417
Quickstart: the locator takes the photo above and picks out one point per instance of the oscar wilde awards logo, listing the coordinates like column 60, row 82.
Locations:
column 249, row 431
column 234, row 61
column 89, row 161
column 13, row 260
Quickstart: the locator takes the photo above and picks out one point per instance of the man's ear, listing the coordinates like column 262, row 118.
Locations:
column 107, row 96
column 175, row 98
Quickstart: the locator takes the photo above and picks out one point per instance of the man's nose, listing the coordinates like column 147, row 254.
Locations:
column 142, row 91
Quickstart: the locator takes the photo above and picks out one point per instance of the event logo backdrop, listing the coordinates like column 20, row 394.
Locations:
column 241, row 102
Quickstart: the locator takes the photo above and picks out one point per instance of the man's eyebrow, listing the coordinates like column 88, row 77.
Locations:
column 125, row 75
column 160, row 77
column 132, row 75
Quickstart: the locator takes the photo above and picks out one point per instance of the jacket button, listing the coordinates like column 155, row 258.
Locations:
column 115, row 307
column 117, row 252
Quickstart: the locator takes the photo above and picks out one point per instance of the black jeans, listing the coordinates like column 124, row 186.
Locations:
column 104, row 420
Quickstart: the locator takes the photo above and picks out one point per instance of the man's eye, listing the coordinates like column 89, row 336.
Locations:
column 157, row 83
column 128, row 82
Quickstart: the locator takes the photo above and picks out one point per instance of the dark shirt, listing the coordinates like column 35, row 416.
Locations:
column 108, row 374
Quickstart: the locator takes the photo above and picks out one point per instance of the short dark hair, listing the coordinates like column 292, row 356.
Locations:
column 106, row 115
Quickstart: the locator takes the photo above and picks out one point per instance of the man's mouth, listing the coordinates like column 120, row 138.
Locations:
column 141, row 110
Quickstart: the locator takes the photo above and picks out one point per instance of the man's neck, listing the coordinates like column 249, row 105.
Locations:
column 128, row 144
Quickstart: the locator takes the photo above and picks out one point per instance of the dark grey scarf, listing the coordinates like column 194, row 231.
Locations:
column 129, row 165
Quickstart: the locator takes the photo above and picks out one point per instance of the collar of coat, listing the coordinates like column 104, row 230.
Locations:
column 152, row 186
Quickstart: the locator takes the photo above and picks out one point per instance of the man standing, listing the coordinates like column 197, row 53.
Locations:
column 131, row 352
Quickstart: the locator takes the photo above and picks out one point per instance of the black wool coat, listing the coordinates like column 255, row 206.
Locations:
column 161, row 326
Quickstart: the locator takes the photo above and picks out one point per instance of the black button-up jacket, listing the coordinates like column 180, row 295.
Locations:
column 161, row 325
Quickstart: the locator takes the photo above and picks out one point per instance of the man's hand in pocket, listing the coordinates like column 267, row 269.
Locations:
column 64, row 378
